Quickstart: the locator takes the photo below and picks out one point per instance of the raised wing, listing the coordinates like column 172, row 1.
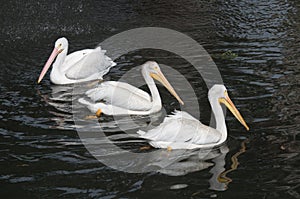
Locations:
column 87, row 63
column 181, row 130
column 122, row 95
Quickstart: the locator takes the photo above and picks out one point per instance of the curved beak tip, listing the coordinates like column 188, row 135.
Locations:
column 227, row 101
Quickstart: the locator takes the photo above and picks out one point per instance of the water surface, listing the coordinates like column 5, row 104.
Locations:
column 41, row 154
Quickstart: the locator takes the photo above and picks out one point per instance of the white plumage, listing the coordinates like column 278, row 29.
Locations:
column 79, row 66
column 119, row 98
column 183, row 131
column 111, row 91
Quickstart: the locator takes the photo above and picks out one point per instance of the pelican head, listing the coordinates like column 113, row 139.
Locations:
column 60, row 45
column 219, row 92
column 153, row 69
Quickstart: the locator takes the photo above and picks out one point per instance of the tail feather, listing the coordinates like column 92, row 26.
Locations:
column 141, row 133
column 107, row 61
column 96, row 94
column 180, row 115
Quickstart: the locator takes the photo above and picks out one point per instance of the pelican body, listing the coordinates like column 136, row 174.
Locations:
column 79, row 66
column 119, row 98
column 183, row 131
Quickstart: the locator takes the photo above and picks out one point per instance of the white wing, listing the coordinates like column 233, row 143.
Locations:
column 122, row 95
column 87, row 63
column 74, row 57
column 109, row 109
column 181, row 131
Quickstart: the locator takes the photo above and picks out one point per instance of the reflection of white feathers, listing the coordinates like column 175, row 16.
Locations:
column 181, row 131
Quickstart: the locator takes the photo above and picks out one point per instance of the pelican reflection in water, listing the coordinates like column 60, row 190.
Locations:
column 203, row 159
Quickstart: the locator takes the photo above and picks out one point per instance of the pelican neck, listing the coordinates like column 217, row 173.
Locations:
column 58, row 64
column 156, row 100
column 58, row 70
column 220, row 119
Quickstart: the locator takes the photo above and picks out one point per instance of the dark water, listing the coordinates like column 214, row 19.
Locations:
column 41, row 155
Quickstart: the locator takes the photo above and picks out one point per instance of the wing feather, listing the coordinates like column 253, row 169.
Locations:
column 122, row 95
column 182, row 130
column 86, row 63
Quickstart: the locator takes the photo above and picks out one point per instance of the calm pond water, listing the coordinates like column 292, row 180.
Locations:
column 41, row 155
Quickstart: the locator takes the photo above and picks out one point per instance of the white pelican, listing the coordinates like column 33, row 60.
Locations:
column 79, row 66
column 182, row 131
column 124, row 99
